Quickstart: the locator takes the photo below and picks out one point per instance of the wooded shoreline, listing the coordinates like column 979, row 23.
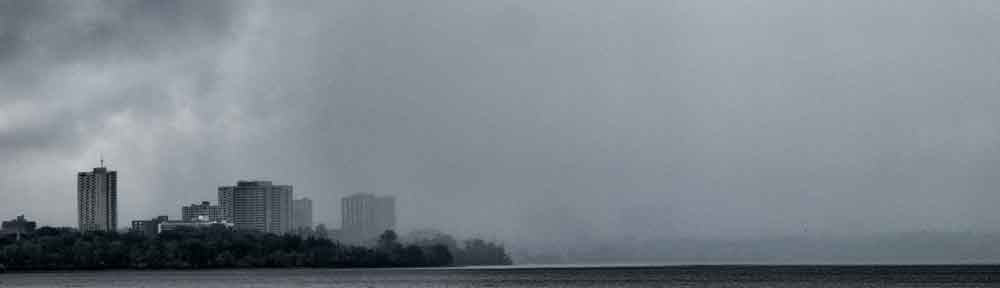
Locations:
column 64, row 249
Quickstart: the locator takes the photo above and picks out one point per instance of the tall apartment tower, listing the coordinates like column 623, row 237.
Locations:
column 258, row 206
column 365, row 216
column 97, row 199
column 303, row 210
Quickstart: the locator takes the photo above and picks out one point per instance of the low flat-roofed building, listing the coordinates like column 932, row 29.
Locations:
column 147, row 228
column 174, row 225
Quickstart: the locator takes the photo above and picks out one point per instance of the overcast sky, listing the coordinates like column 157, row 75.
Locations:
column 544, row 121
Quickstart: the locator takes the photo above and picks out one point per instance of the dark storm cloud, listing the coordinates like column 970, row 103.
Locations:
column 533, row 122
column 73, row 72
column 37, row 35
column 41, row 38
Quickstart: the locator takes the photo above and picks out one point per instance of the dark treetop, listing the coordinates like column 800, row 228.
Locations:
column 215, row 247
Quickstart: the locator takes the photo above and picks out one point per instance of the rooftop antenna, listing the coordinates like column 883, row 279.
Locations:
column 102, row 159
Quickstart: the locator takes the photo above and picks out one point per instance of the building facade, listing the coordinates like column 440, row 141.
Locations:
column 202, row 212
column 258, row 206
column 97, row 200
column 18, row 225
column 174, row 225
column 148, row 228
column 366, row 216
column 303, row 210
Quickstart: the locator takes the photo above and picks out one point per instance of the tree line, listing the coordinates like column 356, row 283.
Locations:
column 470, row 252
column 215, row 247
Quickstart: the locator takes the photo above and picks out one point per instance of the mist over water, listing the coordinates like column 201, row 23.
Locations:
column 551, row 126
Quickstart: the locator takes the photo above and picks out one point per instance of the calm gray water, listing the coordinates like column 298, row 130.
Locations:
column 699, row 276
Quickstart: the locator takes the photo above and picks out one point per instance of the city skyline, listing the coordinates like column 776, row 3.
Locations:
column 544, row 124
column 97, row 207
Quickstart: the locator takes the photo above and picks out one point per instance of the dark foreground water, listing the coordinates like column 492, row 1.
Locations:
column 675, row 276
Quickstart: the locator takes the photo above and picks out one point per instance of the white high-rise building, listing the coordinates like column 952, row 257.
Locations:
column 97, row 200
column 364, row 216
column 258, row 206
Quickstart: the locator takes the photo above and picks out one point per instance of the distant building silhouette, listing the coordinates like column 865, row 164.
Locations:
column 303, row 210
column 18, row 225
column 258, row 206
column 149, row 228
column 364, row 216
column 97, row 200
column 202, row 212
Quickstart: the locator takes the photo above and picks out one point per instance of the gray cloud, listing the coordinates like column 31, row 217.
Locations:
column 527, row 121
column 84, row 77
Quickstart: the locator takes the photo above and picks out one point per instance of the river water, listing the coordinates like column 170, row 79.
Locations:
column 642, row 276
